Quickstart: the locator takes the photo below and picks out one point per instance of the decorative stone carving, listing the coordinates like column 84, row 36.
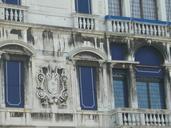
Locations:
column 52, row 86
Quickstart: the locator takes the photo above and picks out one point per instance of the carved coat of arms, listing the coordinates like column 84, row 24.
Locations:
column 52, row 85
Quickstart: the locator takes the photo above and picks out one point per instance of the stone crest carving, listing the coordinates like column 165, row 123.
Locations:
column 52, row 86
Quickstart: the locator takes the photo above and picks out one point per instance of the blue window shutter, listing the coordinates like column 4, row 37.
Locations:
column 16, row 2
column 14, row 88
column 117, row 51
column 83, row 6
column 148, row 56
column 87, row 84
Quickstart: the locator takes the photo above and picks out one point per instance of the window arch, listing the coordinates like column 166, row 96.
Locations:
column 15, row 65
column 149, row 78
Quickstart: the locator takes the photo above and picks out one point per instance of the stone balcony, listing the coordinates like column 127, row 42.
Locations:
column 137, row 27
column 141, row 118
column 13, row 12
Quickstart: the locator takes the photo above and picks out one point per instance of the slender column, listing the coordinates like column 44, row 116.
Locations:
column 108, row 49
column 133, row 101
column 104, row 87
column 162, row 10
column 126, row 8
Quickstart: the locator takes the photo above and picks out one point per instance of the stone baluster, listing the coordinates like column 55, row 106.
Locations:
column 143, row 29
column 134, row 119
column 159, row 30
column 162, row 120
column 21, row 16
column 84, row 23
column 7, row 14
column 81, row 22
column 125, row 119
column 158, row 120
column 15, row 15
column 93, row 24
column 122, row 26
column 118, row 26
column 11, row 14
column 155, row 30
column 120, row 119
column 114, row 26
column 129, row 119
column 127, row 27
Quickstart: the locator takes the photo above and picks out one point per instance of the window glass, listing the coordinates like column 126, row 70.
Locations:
column 83, row 6
column 16, row 2
column 150, row 95
column 120, row 88
column 146, row 9
column 114, row 7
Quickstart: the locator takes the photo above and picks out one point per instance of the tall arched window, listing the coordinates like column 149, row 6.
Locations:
column 149, row 78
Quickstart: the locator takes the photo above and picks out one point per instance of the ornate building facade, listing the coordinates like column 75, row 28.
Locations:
column 85, row 63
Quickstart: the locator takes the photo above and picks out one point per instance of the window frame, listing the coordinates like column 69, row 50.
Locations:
column 89, row 10
column 121, row 74
column 147, row 82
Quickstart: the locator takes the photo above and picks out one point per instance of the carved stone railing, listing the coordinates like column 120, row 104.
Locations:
column 135, row 26
column 13, row 12
column 63, row 119
column 85, row 21
column 89, row 119
column 141, row 118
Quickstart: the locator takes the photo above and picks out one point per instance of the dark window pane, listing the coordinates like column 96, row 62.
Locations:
column 83, row 6
column 16, row 2
column 142, row 93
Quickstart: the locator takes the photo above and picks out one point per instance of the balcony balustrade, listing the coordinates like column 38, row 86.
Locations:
column 13, row 12
column 85, row 21
column 142, row 118
column 26, row 118
column 134, row 26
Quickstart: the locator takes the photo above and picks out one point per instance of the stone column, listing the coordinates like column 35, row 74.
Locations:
column 133, row 100
column 161, row 4
column 108, row 49
column 126, row 8
column 103, row 87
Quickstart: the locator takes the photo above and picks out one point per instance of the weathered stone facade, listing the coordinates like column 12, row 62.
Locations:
column 52, row 39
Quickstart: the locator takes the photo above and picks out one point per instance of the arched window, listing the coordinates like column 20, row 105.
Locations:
column 149, row 78
column 15, row 64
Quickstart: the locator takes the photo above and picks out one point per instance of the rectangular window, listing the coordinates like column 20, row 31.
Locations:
column 14, row 86
column 83, row 6
column 168, row 9
column 87, row 82
column 16, row 2
column 146, row 9
column 114, row 7
column 120, row 88
column 150, row 95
